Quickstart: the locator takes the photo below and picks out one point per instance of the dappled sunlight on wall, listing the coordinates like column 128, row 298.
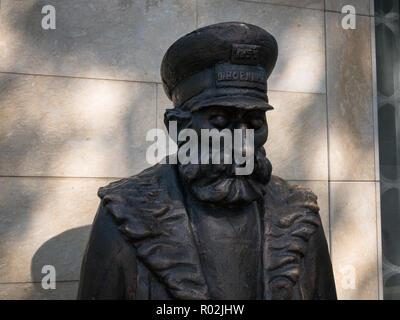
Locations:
column 63, row 135
column 74, row 127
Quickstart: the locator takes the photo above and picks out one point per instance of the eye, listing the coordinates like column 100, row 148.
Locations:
column 256, row 123
column 219, row 121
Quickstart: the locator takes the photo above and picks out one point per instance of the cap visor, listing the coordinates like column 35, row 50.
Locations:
column 241, row 102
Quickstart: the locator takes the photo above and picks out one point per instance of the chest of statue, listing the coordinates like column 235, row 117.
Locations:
column 230, row 250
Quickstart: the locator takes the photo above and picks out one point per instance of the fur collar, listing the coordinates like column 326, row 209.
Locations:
column 149, row 209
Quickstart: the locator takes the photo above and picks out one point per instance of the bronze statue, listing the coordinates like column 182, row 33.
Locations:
column 199, row 231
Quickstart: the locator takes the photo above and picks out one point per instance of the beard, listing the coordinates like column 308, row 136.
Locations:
column 219, row 184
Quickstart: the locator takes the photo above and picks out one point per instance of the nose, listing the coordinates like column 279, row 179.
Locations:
column 242, row 144
column 241, row 126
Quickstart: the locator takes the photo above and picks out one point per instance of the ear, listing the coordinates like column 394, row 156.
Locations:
column 181, row 117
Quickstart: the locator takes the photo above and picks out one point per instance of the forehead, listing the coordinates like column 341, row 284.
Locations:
column 229, row 111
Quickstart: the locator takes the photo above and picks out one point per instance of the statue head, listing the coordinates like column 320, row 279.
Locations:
column 216, row 77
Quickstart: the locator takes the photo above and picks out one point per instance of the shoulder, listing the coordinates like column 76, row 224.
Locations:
column 134, row 194
column 143, row 182
column 136, row 203
column 280, row 185
column 280, row 192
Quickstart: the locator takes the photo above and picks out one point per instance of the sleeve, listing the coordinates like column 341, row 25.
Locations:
column 320, row 263
column 109, row 267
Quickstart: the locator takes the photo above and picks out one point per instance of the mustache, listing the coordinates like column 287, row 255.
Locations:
column 210, row 172
column 218, row 182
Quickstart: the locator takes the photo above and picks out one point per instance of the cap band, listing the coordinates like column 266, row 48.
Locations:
column 251, row 78
column 240, row 76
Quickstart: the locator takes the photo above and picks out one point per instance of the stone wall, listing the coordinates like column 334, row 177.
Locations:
column 76, row 103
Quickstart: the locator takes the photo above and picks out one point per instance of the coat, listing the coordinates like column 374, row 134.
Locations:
column 141, row 245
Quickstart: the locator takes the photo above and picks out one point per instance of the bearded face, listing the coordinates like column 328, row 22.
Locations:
column 219, row 183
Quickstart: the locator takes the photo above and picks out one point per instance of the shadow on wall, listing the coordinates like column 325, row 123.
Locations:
column 27, row 204
column 64, row 252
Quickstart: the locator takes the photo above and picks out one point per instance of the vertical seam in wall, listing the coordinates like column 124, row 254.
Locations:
column 379, row 240
column 376, row 152
column 327, row 134
column 374, row 98
column 372, row 8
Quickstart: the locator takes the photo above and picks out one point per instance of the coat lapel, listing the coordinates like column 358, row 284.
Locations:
column 291, row 219
column 150, row 211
